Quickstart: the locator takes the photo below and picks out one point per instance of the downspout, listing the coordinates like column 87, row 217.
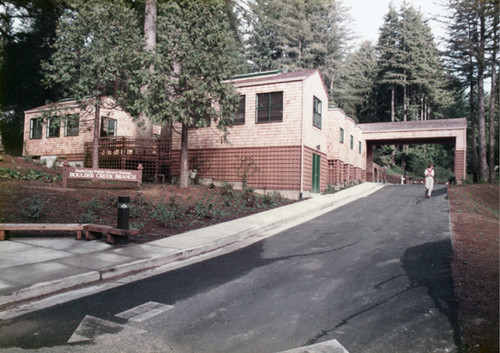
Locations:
column 302, row 144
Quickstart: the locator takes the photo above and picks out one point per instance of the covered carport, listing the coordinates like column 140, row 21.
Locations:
column 452, row 131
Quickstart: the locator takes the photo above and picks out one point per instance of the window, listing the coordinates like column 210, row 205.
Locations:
column 317, row 113
column 36, row 128
column 359, row 147
column 269, row 107
column 341, row 135
column 108, row 127
column 53, row 127
column 352, row 142
column 239, row 118
column 71, row 125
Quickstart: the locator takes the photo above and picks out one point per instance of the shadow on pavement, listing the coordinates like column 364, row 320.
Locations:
column 429, row 265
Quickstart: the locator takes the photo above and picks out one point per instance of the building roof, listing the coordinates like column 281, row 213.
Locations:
column 415, row 125
column 275, row 77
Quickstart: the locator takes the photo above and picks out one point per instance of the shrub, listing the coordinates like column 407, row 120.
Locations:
column 164, row 213
column 272, row 198
column 34, row 209
column 248, row 196
column 91, row 210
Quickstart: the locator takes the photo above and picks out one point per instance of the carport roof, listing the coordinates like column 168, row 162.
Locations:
column 415, row 125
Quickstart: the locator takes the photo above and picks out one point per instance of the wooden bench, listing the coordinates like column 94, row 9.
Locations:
column 92, row 231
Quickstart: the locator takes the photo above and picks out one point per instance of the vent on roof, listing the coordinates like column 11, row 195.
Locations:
column 257, row 74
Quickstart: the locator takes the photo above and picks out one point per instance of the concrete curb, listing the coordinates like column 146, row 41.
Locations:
column 309, row 209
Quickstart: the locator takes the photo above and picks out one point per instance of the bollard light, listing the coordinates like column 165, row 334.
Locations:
column 123, row 212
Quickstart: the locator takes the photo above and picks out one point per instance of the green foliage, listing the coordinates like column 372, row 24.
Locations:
column 248, row 197
column 34, row 207
column 167, row 213
column 195, row 53
column 227, row 193
column 27, row 31
column 91, row 209
column 98, row 50
column 31, row 174
column 246, row 169
column 272, row 198
column 299, row 34
column 164, row 213
column 7, row 173
column 204, row 209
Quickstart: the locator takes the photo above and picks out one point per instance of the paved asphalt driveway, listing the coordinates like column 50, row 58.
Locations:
column 373, row 275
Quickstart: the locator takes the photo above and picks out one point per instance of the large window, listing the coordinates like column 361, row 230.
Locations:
column 269, row 107
column 352, row 142
column 108, row 127
column 71, row 125
column 53, row 127
column 341, row 135
column 317, row 113
column 36, row 128
column 239, row 118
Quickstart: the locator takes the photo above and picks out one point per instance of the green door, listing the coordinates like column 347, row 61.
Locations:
column 316, row 173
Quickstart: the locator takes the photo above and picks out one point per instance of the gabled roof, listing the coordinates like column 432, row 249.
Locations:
column 268, row 78
column 62, row 104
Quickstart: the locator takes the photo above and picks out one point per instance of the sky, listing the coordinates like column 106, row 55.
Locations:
column 369, row 16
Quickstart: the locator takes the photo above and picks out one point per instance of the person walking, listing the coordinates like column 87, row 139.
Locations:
column 429, row 180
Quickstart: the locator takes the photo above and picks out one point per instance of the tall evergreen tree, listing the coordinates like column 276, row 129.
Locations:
column 355, row 90
column 22, row 47
column 195, row 53
column 299, row 34
column 388, row 48
column 99, row 52
column 471, row 26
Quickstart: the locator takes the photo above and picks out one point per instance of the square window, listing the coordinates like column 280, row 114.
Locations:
column 108, row 127
column 71, row 125
column 53, row 127
column 269, row 107
column 317, row 112
column 239, row 118
column 36, row 128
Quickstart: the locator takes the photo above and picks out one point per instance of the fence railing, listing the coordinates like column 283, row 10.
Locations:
column 127, row 153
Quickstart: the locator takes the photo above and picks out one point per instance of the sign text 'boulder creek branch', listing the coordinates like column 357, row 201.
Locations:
column 103, row 174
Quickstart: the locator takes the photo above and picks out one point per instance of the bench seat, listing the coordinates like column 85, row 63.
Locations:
column 92, row 231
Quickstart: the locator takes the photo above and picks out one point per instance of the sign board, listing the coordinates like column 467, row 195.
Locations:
column 102, row 174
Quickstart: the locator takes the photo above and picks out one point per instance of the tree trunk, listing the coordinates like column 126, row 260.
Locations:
column 184, row 178
column 483, row 164
column 491, row 126
column 405, row 103
column 475, row 160
column 95, row 144
column 422, row 105
column 150, row 25
column 393, row 103
column 150, row 46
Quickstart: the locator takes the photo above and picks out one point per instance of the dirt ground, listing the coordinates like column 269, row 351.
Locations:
column 475, row 263
column 157, row 210
column 31, row 193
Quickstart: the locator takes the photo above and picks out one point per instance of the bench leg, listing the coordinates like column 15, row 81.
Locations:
column 4, row 235
column 89, row 235
column 78, row 235
column 110, row 239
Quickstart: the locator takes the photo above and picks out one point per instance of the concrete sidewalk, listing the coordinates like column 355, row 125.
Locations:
column 31, row 268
